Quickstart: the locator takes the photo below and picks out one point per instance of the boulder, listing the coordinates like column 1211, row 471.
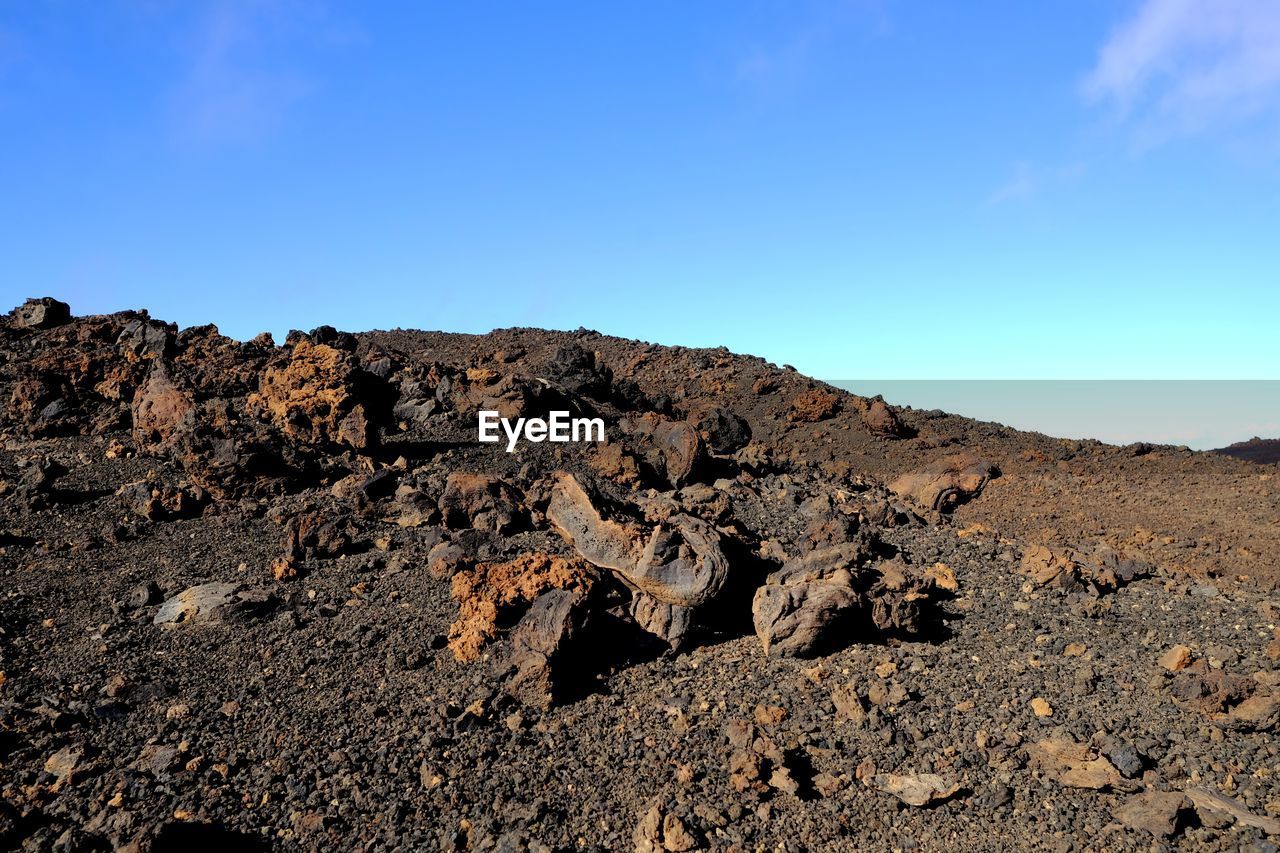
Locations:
column 160, row 410
column 492, row 592
column 800, row 604
column 678, row 562
column 43, row 313
column 670, row 451
column 540, row 644
column 722, row 430
column 946, row 483
column 812, row 406
column 481, row 501
column 318, row 396
column 213, row 602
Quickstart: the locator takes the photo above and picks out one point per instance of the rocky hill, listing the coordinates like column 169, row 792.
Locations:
column 280, row 596
column 1264, row 451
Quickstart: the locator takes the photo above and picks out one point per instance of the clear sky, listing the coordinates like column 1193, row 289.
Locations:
column 1068, row 188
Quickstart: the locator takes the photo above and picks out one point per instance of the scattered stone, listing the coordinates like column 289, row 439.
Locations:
column 143, row 595
column 67, row 766
column 1157, row 812
column 1208, row 802
column 921, row 789
column 660, row 831
column 482, row 502
column 161, row 502
column 1073, row 764
column 1176, row 658
column 214, row 602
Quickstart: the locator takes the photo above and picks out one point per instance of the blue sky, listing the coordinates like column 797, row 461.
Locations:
column 1084, row 189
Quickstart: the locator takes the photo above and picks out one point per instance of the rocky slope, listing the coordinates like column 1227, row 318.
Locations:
column 1264, row 451
column 280, row 596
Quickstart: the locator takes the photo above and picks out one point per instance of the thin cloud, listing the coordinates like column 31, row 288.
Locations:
column 1028, row 181
column 1022, row 184
column 244, row 73
column 1183, row 66
column 823, row 24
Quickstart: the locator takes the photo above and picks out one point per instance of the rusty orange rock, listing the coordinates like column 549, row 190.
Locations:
column 160, row 410
column 489, row 590
column 313, row 398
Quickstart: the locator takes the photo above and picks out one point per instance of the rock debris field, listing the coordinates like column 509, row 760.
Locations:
column 261, row 596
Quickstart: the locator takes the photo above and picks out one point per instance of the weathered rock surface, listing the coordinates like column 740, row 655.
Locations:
column 319, row 395
column 945, row 484
column 213, row 602
column 43, row 313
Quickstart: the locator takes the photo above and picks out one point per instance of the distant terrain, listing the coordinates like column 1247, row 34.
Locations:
column 276, row 595
column 1261, row 450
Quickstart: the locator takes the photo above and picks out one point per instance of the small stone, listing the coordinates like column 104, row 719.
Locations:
column 1041, row 707
column 66, row 765
column 1074, row 650
column 769, row 715
column 1156, row 812
column 828, row 785
column 143, row 595
column 1176, row 658
column 916, row 790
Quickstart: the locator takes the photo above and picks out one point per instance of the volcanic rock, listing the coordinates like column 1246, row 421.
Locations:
column 804, row 601
column 214, row 602
column 43, row 313
column 481, row 501
column 318, row 396
column 677, row 562
column 488, row 592
column 1156, row 812
column 945, row 484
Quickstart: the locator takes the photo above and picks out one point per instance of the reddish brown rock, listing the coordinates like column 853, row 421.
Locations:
column 813, row 406
column 671, row 450
column 160, row 410
column 881, row 420
column 481, row 501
